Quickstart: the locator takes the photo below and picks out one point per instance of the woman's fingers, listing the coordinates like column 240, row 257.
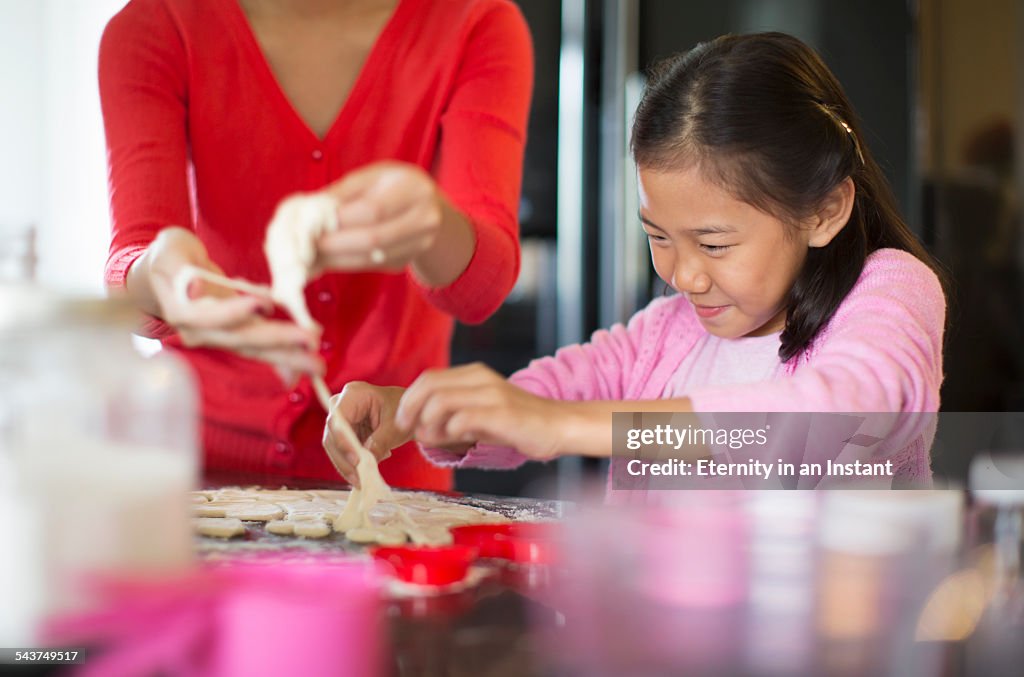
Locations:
column 263, row 334
column 214, row 313
column 391, row 243
column 283, row 344
column 380, row 192
column 388, row 214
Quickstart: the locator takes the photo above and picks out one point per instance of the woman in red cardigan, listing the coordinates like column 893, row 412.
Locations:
column 411, row 113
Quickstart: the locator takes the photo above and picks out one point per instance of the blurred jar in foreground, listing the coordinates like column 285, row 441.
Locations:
column 996, row 536
column 881, row 554
column 17, row 253
column 99, row 446
column 653, row 589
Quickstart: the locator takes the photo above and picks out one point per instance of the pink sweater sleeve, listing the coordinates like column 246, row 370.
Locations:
column 881, row 353
column 598, row 370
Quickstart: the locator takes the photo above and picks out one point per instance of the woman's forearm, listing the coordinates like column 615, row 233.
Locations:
column 451, row 251
column 139, row 287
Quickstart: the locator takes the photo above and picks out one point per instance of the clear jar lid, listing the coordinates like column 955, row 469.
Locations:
column 29, row 308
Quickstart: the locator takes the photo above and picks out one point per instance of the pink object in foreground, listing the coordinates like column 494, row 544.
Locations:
column 240, row 619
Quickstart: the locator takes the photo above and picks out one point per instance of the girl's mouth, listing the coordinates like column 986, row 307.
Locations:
column 709, row 311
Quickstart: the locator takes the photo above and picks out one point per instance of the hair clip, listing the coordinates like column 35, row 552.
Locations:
column 853, row 138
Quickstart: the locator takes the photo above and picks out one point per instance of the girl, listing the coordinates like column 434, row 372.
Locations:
column 800, row 287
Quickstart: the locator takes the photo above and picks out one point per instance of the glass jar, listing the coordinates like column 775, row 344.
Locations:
column 98, row 447
column 997, row 549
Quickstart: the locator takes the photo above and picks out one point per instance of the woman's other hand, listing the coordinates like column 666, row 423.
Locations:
column 213, row 316
column 392, row 215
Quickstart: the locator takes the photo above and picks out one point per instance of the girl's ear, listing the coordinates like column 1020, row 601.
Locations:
column 833, row 214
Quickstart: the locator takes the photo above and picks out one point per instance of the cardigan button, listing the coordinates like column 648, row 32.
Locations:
column 295, row 397
column 318, row 155
column 324, row 296
column 326, row 346
column 283, row 448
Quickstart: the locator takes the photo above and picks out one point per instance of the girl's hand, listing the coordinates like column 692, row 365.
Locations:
column 389, row 214
column 216, row 317
column 370, row 410
column 473, row 403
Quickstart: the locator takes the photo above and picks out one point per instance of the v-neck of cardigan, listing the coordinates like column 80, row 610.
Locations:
column 375, row 61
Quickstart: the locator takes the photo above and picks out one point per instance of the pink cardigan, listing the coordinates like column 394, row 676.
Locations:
column 880, row 352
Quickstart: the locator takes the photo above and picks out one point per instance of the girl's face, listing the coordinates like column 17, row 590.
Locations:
column 734, row 262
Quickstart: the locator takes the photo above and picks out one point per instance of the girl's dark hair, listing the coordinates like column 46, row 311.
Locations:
column 765, row 118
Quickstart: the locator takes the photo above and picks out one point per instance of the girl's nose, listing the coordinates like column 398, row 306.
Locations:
column 690, row 280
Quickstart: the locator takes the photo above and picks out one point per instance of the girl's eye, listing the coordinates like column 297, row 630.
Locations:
column 714, row 249
column 660, row 239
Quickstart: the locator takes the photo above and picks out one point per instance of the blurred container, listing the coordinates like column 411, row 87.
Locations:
column 653, row 589
column 780, row 623
column 18, row 256
column 882, row 554
column 996, row 540
column 100, row 443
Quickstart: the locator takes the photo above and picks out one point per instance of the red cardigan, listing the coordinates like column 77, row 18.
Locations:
column 200, row 134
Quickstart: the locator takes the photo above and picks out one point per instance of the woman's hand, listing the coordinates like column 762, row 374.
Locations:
column 213, row 316
column 370, row 411
column 473, row 403
column 390, row 215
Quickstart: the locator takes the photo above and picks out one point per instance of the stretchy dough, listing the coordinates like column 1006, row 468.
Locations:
column 290, row 248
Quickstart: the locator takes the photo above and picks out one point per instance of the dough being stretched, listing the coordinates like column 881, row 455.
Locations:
column 290, row 248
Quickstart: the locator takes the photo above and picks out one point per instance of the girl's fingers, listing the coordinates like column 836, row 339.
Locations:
column 339, row 457
column 444, row 402
column 478, row 424
column 414, row 399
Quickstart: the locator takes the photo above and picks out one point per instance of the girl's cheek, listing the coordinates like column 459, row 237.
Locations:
column 663, row 266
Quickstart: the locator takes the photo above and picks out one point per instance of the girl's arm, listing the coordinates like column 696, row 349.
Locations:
column 602, row 369
column 475, row 405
